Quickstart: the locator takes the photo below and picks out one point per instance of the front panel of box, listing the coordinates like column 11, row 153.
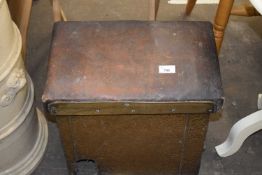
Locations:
column 136, row 144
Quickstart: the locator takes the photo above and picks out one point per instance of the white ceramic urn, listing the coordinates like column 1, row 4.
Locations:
column 23, row 129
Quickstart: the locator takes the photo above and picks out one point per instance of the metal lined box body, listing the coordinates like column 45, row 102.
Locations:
column 133, row 96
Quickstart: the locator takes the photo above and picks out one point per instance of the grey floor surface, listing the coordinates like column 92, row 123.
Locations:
column 241, row 69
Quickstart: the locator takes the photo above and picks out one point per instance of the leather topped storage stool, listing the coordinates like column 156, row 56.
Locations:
column 135, row 97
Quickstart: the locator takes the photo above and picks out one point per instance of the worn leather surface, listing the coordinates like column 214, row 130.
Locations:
column 119, row 61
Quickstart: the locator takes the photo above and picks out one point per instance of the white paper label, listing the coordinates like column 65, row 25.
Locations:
column 198, row 1
column 167, row 69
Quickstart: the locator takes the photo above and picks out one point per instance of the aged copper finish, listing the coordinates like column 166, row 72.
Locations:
column 118, row 61
column 135, row 144
column 119, row 108
column 112, row 105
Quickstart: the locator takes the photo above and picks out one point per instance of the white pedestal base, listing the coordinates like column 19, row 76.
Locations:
column 239, row 132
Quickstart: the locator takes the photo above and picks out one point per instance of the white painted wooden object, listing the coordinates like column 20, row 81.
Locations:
column 239, row 132
column 23, row 140
column 198, row 1
column 23, row 131
column 259, row 101
column 257, row 4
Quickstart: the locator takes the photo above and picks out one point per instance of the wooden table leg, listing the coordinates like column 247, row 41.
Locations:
column 58, row 13
column 20, row 11
column 189, row 6
column 153, row 9
column 221, row 20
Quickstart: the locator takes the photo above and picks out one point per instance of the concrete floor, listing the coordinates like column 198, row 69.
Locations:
column 241, row 68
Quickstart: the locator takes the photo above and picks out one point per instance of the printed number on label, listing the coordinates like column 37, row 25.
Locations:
column 167, row 69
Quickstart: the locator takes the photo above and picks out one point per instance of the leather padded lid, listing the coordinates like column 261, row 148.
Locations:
column 133, row 61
